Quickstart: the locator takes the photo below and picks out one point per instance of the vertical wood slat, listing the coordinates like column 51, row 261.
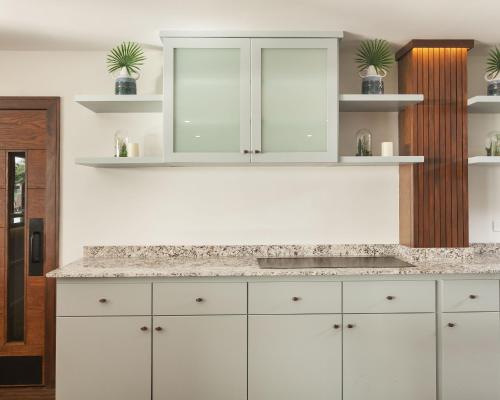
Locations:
column 435, row 197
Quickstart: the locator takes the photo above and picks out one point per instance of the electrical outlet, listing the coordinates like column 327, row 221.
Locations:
column 496, row 225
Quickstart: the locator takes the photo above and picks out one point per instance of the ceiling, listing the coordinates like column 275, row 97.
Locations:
column 101, row 24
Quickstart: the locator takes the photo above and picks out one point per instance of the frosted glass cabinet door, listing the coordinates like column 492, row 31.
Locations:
column 207, row 93
column 294, row 100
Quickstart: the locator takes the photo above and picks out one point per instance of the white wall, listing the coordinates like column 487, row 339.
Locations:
column 212, row 205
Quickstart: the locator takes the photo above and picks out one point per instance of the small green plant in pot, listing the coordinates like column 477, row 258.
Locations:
column 125, row 61
column 374, row 58
column 493, row 72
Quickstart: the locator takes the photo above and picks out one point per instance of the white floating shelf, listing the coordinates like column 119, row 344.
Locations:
column 484, row 104
column 484, row 160
column 121, row 162
column 380, row 161
column 377, row 102
column 122, row 104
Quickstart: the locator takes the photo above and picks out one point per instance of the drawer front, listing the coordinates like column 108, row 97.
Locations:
column 199, row 298
column 294, row 298
column 471, row 295
column 389, row 297
column 89, row 299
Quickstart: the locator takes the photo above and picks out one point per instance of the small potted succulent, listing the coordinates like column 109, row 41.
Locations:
column 374, row 58
column 124, row 62
column 493, row 72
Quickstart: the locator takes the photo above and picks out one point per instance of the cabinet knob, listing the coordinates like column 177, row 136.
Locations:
column 390, row 297
column 257, row 151
column 350, row 326
column 199, row 299
column 472, row 296
column 103, row 300
column 336, row 326
column 451, row 324
column 245, row 151
column 295, row 298
column 144, row 328
column 158, row 329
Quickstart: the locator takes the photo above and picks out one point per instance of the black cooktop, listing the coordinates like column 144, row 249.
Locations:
column 332, row 262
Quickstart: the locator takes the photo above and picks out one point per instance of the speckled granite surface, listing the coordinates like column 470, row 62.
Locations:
column 241, row 261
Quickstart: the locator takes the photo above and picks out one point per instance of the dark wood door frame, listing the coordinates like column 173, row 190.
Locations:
column 52, row 107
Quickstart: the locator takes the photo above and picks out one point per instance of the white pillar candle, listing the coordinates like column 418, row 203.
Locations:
column 133, row 150
column 387, row 149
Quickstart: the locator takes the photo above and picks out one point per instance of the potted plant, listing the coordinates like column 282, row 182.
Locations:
column 493, row 72
column 125, row 61
column 374, row 57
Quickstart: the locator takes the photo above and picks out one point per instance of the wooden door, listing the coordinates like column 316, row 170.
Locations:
column 29, row 174
column 104, row 358
column 295, row 357
column 200, row 357
column 389, row 356
column 470, row 356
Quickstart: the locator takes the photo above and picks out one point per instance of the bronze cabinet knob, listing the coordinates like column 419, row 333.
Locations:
column 199, row 299
column 350, row 326
column 245, row 151
column 472, row 296
column 144, row 328
column 336, row 326
column 257, row 151
column 390, row 297
column 158, row 329
column 451, row 324
column 295, row 298
column 103, row 300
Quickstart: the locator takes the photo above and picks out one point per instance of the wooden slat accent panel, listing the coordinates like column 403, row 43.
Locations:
column 434, row 195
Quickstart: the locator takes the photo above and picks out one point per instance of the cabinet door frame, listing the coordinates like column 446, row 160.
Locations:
column 170, row 44
column 331, row 45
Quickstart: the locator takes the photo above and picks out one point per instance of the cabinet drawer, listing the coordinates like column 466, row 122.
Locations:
column 389, row 297
column 294, row 298
column 471, row 295
column 88, row 299
column 199, row 298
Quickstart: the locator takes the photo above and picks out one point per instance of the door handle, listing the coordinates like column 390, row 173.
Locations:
column 36, row 247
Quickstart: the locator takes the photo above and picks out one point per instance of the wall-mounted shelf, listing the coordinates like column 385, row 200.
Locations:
column 380, row 161
column 377, row 102
column 121, row 162
column 484, row 160
column 122, row 104
column 484, row 104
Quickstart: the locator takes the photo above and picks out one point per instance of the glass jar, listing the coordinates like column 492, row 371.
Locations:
column 363, row 143
column 121, row 142
column 493, row 144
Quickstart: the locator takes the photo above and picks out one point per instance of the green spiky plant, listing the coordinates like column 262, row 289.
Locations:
column 493, row 63
column 128, row 55
column 376, row 52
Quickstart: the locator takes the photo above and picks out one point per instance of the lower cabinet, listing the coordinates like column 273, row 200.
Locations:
column 295, row 357
column 389, row 357
column 200, row 357
column 470, row 353
column 102, row 358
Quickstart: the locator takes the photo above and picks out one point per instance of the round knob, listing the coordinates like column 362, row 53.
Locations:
column 103, row 301
column 245, row 151
column 451, row 324
column 158, row 329
column 199, row 299
column 257, row 151
column 390, row 297
column 144, row 328
column 350, row 326
column 295, row 298
column 336, row 326
column 472, row 296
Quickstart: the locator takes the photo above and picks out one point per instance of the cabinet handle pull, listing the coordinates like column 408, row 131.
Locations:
column 245, row 151
column 390, row 297
column 257, row 151
column 144, row 328
column 295, row 298
column 350, row 326
column 103, row 300
column 336, row 326
column 451, row 324
column 472, row 296
column 158, row 329
column 199, row 299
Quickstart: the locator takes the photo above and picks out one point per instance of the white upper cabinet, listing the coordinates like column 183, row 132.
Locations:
column 241, row 99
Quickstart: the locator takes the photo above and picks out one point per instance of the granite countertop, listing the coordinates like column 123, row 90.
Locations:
column 246, row 266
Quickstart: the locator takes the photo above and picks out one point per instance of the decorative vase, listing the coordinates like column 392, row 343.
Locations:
column 372, row 82
column 363, row 143
column 493, row 144
column 126, row 83
column 493, row 84
column 121, row 143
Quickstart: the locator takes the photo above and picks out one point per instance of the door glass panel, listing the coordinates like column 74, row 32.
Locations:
column 206, row 100
column 294, row 100
column 15, row 246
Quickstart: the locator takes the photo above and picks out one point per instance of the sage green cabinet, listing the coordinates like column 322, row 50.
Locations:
column 470, row 352
column 295, row 357
column 389, row 357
